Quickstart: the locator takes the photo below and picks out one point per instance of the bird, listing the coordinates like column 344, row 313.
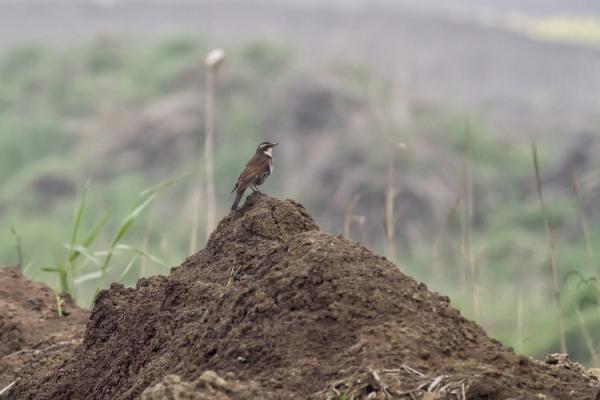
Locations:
column 257, row 170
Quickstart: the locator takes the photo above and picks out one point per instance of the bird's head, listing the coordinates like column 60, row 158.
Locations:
column 266, row 148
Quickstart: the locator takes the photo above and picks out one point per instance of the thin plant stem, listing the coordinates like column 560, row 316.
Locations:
column 59, row 303
column 195, row 219
column 6, row 389
column 586, row 335
column 208, row 153
column 18, row 246
column 438, row 236
column 583, row 221
column 520, row 322
column 551, row 250
column 467, row 224
column 388, row 214
column 349, row 215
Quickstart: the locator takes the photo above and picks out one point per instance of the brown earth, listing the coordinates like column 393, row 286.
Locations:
column 209, row 386
column 273, row 308
column 30, row 328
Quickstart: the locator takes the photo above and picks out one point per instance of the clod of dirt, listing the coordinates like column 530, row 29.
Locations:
column 304, row 314
column 562, row 361
column 30, row 328
column 209, row 386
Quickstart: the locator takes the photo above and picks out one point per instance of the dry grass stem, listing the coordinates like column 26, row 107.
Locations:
column 468, row 248
column 583, row 220
column 349, row 216
column 195, row 220
column 412, row 370
column 519, row 347
column 232, row 272
column 214, row 60
column 388, row 214
column 211, row 214
column 8, row 387
column 586, row 335
column 45, row 349
column 551, row 249
column 440, row 232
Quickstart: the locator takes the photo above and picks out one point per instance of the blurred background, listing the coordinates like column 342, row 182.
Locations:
column 405, row 125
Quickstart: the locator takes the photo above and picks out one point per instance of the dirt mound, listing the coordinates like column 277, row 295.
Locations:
column 286, row 311
column 30, row 328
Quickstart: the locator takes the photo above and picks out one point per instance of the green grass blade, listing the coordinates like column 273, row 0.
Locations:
column 127, row 268
column 130, row 219
column 146, row 197
column 141, row 253
column 26, row 268
column 88, row 277
column 91, row 235
column 52, row 269
column 161, row 186
column 79, row 249
column 62, row 275
column 78, row 217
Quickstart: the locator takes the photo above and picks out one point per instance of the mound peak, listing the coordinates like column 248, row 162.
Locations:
column 275, row 305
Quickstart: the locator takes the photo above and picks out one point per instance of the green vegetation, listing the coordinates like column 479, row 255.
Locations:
column 125, row 116
column 80, row 257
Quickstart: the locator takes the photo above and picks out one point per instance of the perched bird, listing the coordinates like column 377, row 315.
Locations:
column 258, row 168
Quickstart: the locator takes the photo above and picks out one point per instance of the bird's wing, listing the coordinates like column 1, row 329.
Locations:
column 256, row 166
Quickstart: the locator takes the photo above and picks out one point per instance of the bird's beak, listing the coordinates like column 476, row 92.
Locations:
column 275, row 144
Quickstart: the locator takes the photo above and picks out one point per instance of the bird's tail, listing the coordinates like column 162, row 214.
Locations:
column 238, row 197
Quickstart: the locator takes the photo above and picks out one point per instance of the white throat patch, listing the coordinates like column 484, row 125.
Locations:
column 269, row 151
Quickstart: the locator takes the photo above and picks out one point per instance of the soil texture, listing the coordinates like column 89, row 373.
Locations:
column 273, row 308
column 31, row 331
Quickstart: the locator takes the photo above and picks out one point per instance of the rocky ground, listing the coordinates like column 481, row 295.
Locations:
column 272, row 308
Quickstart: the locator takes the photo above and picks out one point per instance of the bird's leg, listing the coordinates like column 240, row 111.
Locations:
column 256, row 190
column 253, row 188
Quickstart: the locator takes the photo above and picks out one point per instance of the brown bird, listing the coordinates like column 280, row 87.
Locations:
column 258, row 168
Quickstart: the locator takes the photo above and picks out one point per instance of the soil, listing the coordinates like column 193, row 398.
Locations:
column 30, row 328
column 273, row 308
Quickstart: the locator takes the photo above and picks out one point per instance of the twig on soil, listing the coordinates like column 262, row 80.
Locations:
column 38, row 351
column 435, row 383
column 7, row 388
column 409, row 369
column 379, row 384
column 232, row 274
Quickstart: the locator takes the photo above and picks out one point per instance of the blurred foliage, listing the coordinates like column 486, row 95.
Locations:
column 46, row 156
